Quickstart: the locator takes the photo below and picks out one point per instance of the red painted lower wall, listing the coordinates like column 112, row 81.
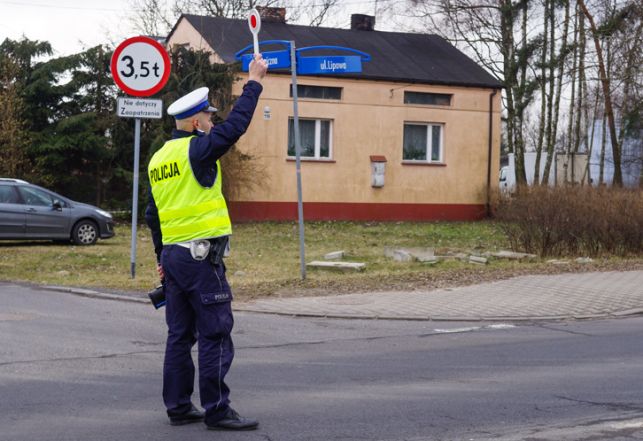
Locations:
column 241, row 211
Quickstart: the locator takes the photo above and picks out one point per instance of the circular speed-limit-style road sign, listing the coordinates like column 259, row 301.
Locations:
column 140, row 66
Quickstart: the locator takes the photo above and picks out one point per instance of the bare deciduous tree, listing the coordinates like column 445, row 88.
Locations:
column 539, row 49
column 607, row 95
column 320, row 12
column 557, row 70
column 151, row 17
column 497, row 33
column 156, row 17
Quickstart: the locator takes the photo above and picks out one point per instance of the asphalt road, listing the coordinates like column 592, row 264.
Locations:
column 75, row 368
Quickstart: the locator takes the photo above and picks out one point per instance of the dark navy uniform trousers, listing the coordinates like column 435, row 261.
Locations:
column 199, row 309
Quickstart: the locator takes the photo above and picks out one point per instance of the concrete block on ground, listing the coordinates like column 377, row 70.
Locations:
column 341, row 266
column 456, row 256
column 505, row 254
column 584, row 260
column 414, row 251
column 478, row 260
column 422, row 254
column 335, row 255
column 558, row 262
column 402, row 256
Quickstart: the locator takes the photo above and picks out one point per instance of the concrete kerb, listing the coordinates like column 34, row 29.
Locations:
column 549, row 318
column 373, row 316
column 626, row 312
column 95, row 294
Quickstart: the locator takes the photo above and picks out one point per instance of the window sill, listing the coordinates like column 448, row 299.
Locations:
column 330, row 161
column 425, row 164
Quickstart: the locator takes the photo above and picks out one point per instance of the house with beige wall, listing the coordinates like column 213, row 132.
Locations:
column 420, row 111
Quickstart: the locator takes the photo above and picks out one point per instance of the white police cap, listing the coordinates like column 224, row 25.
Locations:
column 191, row 104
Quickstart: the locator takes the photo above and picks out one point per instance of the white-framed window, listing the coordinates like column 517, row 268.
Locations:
column 423, row 142
column 316, row 138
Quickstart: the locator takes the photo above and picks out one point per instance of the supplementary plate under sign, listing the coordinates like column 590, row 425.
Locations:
column 139, row 108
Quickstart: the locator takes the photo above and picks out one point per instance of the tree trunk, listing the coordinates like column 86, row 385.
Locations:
column 99, row 115
column 569, row 142
column 521, row 92
column 629, row 80
column 601, row 170
column 561, row 67
column 605, row 83
column 511, row 83
column 590, row 140
column 549, row 142
column 99, row 190
column 544, row 99
column 582, row 84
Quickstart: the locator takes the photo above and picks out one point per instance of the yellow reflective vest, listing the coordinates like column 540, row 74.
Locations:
column 187, row 210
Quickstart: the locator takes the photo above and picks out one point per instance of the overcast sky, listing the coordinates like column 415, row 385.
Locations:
column 73, row 25
column 69, row 25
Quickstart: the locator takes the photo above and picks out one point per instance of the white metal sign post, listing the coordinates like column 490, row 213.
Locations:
column 140, row 67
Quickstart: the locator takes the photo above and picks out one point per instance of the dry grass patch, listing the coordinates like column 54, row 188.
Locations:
column 265, row 259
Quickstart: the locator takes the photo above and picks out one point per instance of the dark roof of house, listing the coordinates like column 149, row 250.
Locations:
column 395, row 56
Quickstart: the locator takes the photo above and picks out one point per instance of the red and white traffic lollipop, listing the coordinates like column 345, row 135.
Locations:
column 254, row 22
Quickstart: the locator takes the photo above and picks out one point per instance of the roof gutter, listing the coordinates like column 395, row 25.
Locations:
column 490, row 150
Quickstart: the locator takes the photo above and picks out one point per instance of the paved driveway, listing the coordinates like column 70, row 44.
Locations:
column 583, row 295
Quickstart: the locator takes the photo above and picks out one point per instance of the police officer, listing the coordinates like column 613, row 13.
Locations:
column 190, row 226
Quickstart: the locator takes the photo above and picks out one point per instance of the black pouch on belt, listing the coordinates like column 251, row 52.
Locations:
column 217, row 248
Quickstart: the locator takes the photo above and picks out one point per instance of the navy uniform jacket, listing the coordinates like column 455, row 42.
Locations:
column 205, row 150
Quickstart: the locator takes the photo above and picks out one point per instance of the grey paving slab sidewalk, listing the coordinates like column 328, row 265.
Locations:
column 561, row 296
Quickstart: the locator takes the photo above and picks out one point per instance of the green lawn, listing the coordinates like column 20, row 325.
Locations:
column 265, row 258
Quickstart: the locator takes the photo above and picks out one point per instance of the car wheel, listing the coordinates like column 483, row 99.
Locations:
column 85, row 233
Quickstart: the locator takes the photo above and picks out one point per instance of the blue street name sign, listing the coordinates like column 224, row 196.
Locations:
column 275, row 60
column 329, row 64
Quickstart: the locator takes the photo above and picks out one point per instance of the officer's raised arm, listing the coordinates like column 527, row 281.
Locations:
column 206, row 150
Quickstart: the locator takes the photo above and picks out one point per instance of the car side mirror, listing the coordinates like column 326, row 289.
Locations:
column 57, row 205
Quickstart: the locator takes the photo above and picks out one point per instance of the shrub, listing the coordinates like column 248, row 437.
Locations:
column 574, row 221
column 240, row 171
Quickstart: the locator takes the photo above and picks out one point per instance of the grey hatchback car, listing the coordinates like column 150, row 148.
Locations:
column 31, row 212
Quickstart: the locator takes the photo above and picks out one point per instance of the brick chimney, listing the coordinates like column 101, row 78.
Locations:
column 273, row 15
column 361, row 22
